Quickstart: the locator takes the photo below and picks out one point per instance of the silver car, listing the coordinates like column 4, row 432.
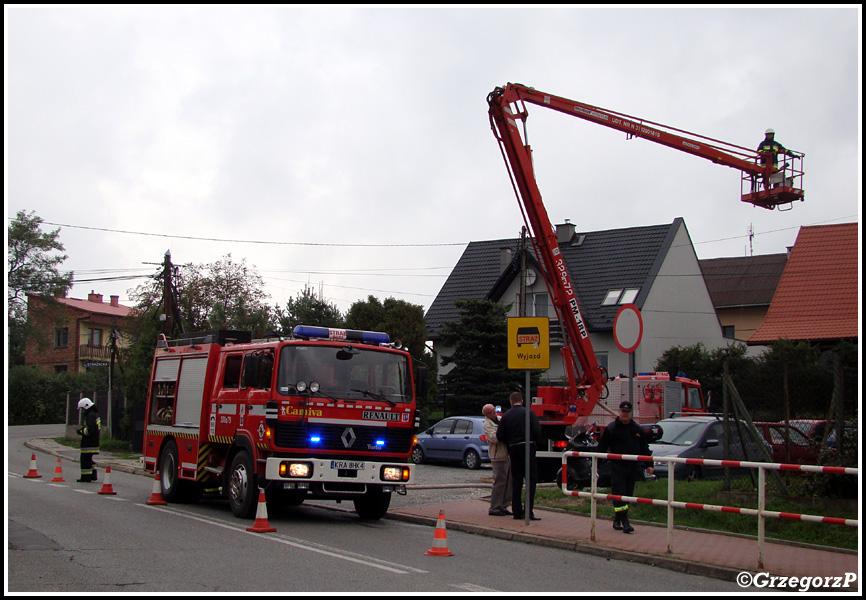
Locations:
column 701, row 437
column 456, row 439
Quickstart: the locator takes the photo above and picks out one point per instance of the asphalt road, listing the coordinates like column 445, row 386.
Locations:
column 64, row 537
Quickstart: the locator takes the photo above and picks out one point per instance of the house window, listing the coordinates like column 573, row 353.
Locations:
column 626, row 296
column 60, row 368
column 540, row 305
column 61, row 337
column 611, row 298
column 629, row 295
column 95, row 337
column 728, row 332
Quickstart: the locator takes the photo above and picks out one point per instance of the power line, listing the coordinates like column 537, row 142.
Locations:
column 266, row 242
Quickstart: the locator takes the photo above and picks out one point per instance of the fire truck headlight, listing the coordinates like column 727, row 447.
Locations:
column 395, row 473
column 296, row 469
column 314, row 386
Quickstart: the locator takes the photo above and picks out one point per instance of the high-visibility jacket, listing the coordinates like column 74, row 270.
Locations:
column 90, row 431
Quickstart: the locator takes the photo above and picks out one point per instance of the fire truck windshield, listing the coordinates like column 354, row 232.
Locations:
column 361, row 374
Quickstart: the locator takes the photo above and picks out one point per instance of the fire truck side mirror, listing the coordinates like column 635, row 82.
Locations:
column 421, row 374
column 251, row 371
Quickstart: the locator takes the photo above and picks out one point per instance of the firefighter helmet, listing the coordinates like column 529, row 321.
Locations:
column 85, row 403
column 769, row 131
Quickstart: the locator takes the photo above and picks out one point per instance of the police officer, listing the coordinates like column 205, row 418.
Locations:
column 624, row 436
column 89, row 433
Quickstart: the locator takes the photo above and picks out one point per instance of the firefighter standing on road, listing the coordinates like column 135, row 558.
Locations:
column 89, row 433
column 624, row 436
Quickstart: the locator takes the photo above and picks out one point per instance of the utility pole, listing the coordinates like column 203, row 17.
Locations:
column 168, row 310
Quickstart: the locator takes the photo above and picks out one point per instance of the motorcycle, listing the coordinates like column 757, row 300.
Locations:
column 583, row 439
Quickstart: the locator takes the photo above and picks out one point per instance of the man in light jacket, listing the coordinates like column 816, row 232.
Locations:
column 500, row 495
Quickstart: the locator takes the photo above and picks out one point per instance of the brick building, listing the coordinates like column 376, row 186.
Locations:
column 75, row 333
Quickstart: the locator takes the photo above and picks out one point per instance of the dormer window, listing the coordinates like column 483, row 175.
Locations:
column 626, row 296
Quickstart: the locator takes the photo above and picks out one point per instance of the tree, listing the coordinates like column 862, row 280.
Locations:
column 33, row 268
column 401, row 320
column 307, row 309
column 225, row 294
column 480, row 341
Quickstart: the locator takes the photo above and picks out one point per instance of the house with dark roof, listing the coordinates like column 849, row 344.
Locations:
column 76, row 332
column 653, row 267
column 741, row 289
column 818, row 297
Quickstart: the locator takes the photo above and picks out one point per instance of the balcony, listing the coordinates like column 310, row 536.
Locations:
column 88, row 352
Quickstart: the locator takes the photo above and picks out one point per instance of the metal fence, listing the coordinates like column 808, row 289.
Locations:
column 761, row 512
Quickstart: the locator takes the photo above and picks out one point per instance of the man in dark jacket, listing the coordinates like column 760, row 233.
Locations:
column 512, row 431
column 89, row 433
column 624, row 436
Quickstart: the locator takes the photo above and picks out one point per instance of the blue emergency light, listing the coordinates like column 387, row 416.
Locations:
column 342, row 335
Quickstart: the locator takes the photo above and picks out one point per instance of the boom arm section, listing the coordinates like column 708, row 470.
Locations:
column 767, row 184
column 578, row 351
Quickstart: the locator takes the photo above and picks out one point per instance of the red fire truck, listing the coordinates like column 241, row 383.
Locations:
column 324, row 414
column 764, row 183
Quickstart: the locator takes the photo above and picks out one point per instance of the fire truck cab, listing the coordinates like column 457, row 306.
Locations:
column 325, row 414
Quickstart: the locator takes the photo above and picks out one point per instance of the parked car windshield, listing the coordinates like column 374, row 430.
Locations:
column 680, row 433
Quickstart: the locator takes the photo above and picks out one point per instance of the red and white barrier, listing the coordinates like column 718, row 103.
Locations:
column 671, row 504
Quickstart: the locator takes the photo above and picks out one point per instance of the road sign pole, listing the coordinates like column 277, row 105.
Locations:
column 528, row 405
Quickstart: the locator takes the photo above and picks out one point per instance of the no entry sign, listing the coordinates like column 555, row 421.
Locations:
column 628, row 328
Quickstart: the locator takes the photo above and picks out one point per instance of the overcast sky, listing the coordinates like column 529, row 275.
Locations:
column 365, row 130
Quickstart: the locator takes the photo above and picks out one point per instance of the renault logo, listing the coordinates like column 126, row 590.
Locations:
column 348, row 437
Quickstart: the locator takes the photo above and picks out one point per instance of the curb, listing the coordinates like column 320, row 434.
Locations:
column 672, row 564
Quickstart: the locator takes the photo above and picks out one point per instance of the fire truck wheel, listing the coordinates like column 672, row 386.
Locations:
column 242, row 486
column 175, row 489
column 373, row 505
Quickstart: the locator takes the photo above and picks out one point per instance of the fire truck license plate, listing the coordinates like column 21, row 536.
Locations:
column 356, row 465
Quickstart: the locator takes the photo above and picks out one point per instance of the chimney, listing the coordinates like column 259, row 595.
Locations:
column 115, row 300
column 94, row 297
column 564, row 232
column 504, row 258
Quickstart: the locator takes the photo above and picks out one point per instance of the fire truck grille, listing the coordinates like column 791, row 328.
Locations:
column 343, row 437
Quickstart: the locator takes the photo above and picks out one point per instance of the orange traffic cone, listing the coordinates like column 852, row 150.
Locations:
column 261, row 524
column 58, row 473
column 156, row 495
column 32, row 474
column 440, row 539
column 106, row 487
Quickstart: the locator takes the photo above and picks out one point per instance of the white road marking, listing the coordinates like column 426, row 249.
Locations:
column 471, row 587
column 297, row 543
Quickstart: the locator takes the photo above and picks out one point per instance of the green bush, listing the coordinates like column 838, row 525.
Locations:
column 36, row 396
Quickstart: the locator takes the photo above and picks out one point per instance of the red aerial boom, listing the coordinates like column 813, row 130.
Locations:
column 768, row 185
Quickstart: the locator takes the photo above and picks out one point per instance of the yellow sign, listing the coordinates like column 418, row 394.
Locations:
column 529, row 343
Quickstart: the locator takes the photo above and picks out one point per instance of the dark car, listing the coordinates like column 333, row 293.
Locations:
column 457, row 439
column 700, row 437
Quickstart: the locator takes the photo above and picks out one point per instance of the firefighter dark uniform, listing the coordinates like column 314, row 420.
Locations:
column 624, row 438
column 89, row 433
column 769, row 144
